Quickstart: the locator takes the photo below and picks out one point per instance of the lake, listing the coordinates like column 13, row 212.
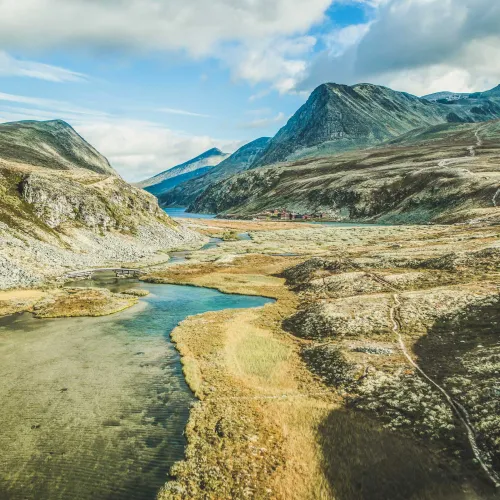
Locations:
column 180, row 212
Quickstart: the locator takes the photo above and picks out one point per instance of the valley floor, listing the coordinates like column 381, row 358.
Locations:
column 323, row 394
column 373, row 375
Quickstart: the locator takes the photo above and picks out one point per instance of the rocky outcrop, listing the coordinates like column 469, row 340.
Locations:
column 60, row 215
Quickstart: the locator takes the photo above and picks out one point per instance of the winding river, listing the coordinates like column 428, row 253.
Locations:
column 95, row 408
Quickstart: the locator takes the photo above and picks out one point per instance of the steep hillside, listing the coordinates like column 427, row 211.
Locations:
column 340, row 117
column 242, row 159
column 446, row 173
column 51, row 144
column 164, row 180
column 58, row 212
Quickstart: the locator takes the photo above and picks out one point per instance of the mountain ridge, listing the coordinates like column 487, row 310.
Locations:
column 339, row 117
column 52, row 144
column 243, row 158
column 209, row 158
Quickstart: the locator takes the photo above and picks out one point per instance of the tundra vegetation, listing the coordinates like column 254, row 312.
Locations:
column 314, row 396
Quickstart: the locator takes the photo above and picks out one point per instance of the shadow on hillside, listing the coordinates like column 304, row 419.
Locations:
column 363, row 461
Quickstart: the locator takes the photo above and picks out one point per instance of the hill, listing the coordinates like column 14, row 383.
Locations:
column 445, row 173
column 50, row 144
column 63, row 207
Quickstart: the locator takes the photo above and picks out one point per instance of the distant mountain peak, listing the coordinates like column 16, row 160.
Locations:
column 209, row 158
column 212, row 152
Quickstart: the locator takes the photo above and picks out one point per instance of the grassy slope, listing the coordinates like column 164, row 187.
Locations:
column 398, row 182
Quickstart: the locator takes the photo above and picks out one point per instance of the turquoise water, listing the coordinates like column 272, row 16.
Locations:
column 95, row 408
column 181, row 212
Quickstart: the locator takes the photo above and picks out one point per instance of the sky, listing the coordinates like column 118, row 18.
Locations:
column 153, row 83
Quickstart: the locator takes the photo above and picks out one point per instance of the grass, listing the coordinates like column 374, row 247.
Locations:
column 264, row 426
column 252, row 433
column 83, row 302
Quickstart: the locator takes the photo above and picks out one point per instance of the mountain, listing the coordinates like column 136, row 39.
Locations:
column 52, row 144
column 338, row 118
column 186, row 192
column 158, row 183
column 63, row 207
column 445, row 95
column 444, row 173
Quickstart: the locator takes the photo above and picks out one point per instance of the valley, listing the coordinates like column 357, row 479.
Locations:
column 230, row 353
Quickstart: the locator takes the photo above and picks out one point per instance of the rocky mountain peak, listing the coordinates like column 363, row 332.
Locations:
column 339, row 117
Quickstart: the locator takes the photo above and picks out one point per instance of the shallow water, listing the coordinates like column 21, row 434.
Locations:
column 181, row 212
column 95, row 408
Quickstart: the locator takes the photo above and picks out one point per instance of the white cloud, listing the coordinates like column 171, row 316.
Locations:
column 279, row 61
column 419, row 46
column 138, row 151
column 173, row 111
column 265, row 122
column 56, row 107
column 259, row 95
column 261, row 40
column 10, row 66
column 338, row 41
column 136, row 148
column 196, row 26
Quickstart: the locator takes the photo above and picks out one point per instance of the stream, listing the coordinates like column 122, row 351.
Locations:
column 95, row 408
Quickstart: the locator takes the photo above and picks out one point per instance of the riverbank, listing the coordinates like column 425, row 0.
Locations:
column 251, row 386
column 295, row 398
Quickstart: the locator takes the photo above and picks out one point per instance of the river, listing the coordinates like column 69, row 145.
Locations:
column 95, row 408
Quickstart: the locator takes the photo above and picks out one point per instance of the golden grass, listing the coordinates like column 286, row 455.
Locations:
column 252, row 433
column 14, row 301
column 83, row 302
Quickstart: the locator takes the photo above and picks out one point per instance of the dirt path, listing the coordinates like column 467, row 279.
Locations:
column 457, row 408
column 446, row 162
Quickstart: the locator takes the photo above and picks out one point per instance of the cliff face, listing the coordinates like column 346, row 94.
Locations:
column 338, row 118
column 58, row 212
column 185, row 193
column 447, row 173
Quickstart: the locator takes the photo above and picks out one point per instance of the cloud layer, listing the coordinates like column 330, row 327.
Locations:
column 419, row 46
column 196, row 26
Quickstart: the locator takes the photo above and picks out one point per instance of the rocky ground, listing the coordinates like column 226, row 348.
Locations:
column 398, row 327
column 63, row 207
column 79, row 220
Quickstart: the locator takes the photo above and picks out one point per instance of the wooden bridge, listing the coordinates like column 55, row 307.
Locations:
column 119, row 273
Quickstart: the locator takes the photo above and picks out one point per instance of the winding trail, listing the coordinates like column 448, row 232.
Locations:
column 457, row 408
column 446, row 162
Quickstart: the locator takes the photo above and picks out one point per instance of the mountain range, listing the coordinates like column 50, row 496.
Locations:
column 335, row 120
column 186, row 192
column 168, row 179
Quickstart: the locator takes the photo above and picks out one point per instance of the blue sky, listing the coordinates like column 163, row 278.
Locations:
column 152, row 83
